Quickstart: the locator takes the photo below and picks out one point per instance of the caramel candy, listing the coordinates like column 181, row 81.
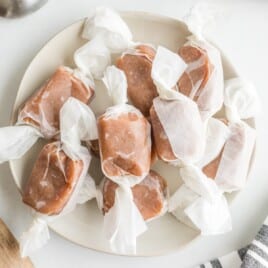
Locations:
column 210, row 170
column 137, row 67
column 52, row 181
column 94, row 147
column 154, row 156
column 162, row 144
column 43, row 108
column 198, row 71
column 149, row 195
column 125, row 143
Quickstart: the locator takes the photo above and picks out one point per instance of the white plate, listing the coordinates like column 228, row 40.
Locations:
column 84, row 225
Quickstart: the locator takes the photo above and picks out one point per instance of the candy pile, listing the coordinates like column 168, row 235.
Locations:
column 164, row 109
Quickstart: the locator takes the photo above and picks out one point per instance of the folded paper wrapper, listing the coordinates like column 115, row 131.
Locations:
column 77, row 123
column 194, row 203
column 105, row 21
column 39, row 116
column 126, row 164
column 208, row 92
column 148, row 198
column 181, row 127
column 200, row 204
column 107, row 34
column 149, row 195
column 241, row 102
column 43, row 108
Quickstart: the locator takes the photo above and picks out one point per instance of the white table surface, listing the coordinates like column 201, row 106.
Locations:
column 241, row 33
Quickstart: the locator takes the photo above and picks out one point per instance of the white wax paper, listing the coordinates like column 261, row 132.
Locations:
column 60, row 82
column 210, row 98
column 116, row 84
column 184, row 128
column 35, row 237
column 216, row 135
column 240, row 99
column 166, row 69
column 199, row 203
column 197, row 19
column 107, row 33
column 211, row 218
column 235, row 160
column 178, row 114
column 241, row 102
column 88, row 190
column 88, row 81
column 200, row 16
column 15, row 141
column 77, row 123
column 92, row 58
column 124, row 222
column 137, row 52
column 194, row 178
column 236, row 140
column 107, row 23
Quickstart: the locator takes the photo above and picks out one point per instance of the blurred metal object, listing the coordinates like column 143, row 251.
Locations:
column 19, row 8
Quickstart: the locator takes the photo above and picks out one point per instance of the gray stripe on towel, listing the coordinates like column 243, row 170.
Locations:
column 250, row 262
column 216, row 263
column 259, row 251
column 262, row 235
column 242, row 252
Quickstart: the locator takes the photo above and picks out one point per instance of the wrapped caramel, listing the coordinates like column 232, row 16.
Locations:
column 59, row 179
column 125, row 150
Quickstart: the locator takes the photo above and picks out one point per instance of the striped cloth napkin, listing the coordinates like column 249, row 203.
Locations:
column 254, row 255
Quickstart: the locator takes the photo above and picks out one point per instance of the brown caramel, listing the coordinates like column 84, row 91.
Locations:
column 149, row 195
column 138, row 67
column 52, row 181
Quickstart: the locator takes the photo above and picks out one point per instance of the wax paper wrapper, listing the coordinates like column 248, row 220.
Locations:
column 179, row 115
column 123, row 223
column 123, row 213
column 200, row 204
column 232, row 140
column 150, row 195
column 207, row 92
column 39, row 116
column 107, row 34
column 241, row 102
column 108, row 23
column 141, row 49
column 77, row 123
column 217, row 134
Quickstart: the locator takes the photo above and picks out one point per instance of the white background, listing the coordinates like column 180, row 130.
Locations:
column 242, row 34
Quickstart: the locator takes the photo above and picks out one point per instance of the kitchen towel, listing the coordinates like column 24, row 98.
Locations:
column 254, row 255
